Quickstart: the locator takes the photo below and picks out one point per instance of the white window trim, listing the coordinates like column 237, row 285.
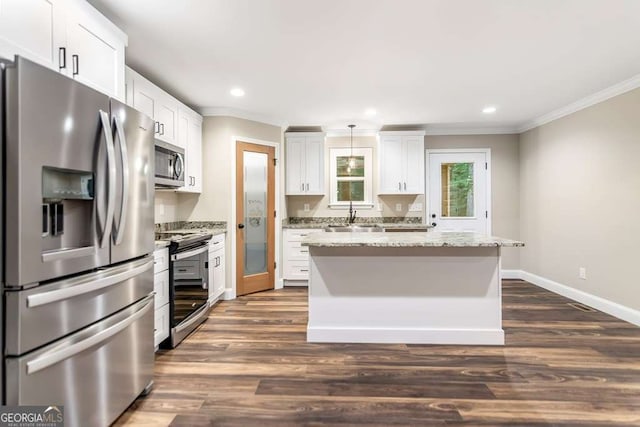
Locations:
column 367, row 153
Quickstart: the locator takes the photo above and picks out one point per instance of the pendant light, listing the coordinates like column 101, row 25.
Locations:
column 350, row 166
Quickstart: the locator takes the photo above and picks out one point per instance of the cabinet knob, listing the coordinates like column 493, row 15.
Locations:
column 434, row 224
column 240, row 226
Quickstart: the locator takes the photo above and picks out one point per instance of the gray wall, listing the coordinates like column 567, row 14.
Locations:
column 504, row 183
column 579, row 182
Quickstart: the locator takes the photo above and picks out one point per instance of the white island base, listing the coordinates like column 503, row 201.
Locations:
column 426, row 295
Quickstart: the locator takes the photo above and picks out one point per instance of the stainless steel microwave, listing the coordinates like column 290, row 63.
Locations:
column 169, row 165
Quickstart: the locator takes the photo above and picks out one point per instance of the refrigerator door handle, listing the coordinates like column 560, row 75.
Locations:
column 124, row 156
column 90, row 285
column 48, row 359
column 111, row 167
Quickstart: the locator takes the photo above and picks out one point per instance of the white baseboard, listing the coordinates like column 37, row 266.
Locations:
column 406, row 336
column 606, row 306
column 511, row 274
column 229, row 294
column 299, row 283
column 279, row 284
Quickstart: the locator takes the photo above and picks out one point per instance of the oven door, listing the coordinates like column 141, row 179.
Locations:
column 189, row 282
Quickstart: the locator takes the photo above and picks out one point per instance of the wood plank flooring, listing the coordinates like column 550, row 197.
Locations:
column 249, row 364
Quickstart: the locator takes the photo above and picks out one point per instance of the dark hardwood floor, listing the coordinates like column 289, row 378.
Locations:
column 249, row 365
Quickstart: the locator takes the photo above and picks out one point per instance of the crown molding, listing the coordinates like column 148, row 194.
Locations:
column 596, row 98
column 242, row 114
column 402, row 132
column 462, row 129
column 347, row 132
column 322, row 134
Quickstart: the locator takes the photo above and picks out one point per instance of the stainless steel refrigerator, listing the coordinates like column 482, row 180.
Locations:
column 77, row 270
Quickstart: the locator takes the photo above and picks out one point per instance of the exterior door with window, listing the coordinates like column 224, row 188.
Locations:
column 458, row 196
column 255, row 218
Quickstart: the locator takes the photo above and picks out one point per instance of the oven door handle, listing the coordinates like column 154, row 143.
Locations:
column 188, row 254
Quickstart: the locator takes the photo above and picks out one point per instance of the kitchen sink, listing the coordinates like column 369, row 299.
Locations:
column 360, row 228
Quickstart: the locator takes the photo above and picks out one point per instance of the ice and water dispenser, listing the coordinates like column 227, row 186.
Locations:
column 67, row 207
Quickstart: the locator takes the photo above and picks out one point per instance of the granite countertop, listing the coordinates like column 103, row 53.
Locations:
column 213, row 231
column 161, row 244
column 390, row 239
column 396, row 225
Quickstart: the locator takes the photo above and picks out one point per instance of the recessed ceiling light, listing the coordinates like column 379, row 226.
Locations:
column 489, row 110
column 237, row 91
column 370, row 112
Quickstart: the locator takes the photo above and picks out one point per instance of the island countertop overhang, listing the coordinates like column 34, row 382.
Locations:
column 405, row 240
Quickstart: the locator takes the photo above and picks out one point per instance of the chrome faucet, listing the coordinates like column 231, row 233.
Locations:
column 352, row 213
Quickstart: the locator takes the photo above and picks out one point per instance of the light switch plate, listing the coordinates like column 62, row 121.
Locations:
column 415, row 207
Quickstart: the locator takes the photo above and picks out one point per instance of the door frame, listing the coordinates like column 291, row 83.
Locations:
column 427, row 164
column 231, row 293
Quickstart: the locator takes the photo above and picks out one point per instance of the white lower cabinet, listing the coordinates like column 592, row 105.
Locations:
column 217, row 281
column 161, row 288
column 296, row 256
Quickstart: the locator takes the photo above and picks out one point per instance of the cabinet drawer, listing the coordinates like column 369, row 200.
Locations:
column 161, row 324
column 161, row 260
column 296, row 235
column 298, row 253
column 216, row 241
column 297, row 270
column 161, row 288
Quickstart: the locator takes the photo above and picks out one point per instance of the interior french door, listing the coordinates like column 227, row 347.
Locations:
column 255, row 218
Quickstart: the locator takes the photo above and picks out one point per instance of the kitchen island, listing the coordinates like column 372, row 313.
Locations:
column 428, row 288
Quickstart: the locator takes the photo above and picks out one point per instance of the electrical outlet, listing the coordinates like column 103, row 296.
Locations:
column 379, row 207
column 582, row 273
column 415, row 207
column 398, row 207
column 160, row 209
column 306, row 207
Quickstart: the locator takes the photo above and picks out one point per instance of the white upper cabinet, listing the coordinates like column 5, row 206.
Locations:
column 401, row 163
column 190, row 134
column 35, row 29
column 68, row 36
column 157, row 104
column 305, row 164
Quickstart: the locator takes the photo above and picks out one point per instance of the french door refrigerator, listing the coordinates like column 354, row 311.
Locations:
column 78, row 234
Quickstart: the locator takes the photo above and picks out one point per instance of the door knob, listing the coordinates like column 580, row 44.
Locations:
column 434, row 224
column 240, row 226
column 433, row 215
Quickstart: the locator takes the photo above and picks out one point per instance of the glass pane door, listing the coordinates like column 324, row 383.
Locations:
column 255, row 209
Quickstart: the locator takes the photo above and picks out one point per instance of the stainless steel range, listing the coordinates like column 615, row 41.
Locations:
column 189, row 283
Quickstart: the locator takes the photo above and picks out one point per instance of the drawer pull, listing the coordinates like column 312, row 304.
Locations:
column 303, row 270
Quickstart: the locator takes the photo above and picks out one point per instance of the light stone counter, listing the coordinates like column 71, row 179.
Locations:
column 160, row 244
column 400, row 239
column 213, row 231
column 390, row 225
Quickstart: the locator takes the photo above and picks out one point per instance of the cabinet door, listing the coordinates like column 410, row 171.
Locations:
column 219, row 274
column 195, row 150
column 414, row 170
column 390, row 165
column 314, row 165
column 34, row 29
column 143, row 96
column 190, row 134
column 95, row 51
column 167, row 115
column 295, row 178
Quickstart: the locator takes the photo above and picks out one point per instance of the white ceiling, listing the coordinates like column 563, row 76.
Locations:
column 323, row 62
